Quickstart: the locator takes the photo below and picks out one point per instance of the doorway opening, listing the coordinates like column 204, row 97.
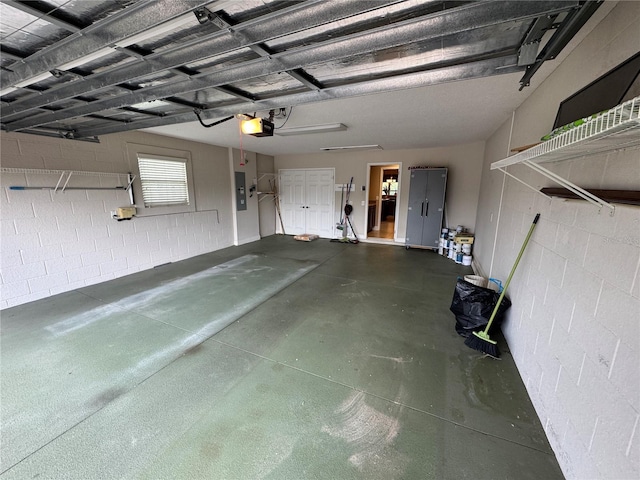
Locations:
column 383, row 194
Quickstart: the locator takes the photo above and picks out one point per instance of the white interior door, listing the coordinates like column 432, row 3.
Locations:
column 319, row 202
column 292, row 201
column 307, row 201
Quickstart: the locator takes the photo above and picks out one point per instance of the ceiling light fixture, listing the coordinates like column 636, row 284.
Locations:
column 352, row 147
column 308, row 129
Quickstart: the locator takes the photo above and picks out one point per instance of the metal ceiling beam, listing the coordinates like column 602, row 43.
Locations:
column 305, row 79
column 416, row 29
column 43, row 15
column 467, row 71
column 10, row 55
column 236, row 93
column 261, row 49
column 117, row 27
column 297, row 17
column 59, row 133
column 570, row 26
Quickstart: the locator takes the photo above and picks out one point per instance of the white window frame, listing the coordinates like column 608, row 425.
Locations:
column 170, row 190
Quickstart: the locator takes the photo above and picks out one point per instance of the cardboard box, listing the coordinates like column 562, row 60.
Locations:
column 125, row 213
column 464, row 238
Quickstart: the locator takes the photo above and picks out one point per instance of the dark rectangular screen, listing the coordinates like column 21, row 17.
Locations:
column 606, row 92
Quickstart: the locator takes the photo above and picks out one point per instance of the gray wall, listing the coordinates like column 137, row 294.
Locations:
column 574, row 328
column 56, row 242
column 463, row 161
column 266, row 201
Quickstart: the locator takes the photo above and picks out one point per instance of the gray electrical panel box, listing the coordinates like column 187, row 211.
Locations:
column 241, row 192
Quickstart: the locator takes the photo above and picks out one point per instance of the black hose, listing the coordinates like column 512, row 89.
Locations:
column 214, row 123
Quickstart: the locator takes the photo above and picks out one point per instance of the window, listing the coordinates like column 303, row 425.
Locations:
column 164, row 181
column 390, row 187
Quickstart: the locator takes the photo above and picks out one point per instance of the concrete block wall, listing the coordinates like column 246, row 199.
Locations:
column 573, row 329
column 53, row 242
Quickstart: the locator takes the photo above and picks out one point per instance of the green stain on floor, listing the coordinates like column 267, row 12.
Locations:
column 277, row 360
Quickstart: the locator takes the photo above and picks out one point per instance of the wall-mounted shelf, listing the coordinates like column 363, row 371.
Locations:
column 125, row 179
column 616, row 129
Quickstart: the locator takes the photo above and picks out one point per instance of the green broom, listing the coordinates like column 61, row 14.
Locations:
column 480, row 340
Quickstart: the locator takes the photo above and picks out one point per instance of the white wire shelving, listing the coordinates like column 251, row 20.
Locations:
column 125, row 179
column 616, row 129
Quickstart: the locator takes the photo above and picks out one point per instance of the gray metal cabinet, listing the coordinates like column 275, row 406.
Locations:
column 426, row 207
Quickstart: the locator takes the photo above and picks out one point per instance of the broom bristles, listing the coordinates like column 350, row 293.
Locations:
column 482, row 344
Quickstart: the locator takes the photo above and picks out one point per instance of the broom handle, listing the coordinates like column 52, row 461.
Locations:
column 513, row 270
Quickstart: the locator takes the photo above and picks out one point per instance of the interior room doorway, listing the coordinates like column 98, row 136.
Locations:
column 383, row 198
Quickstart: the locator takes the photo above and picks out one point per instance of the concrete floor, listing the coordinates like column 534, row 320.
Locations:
column 274, row 360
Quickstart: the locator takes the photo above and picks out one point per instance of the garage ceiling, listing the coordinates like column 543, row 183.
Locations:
column 81, row 69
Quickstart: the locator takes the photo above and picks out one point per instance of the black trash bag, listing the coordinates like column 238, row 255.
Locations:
column 472, row 305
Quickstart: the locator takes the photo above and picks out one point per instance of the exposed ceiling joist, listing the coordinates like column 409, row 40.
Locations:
column 430, row 26
column 479, row 69
column 145, row 63
column 271, row 25
column 119, row 26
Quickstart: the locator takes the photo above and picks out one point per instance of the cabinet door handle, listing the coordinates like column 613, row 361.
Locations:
column 426, row 210
column 422, row 210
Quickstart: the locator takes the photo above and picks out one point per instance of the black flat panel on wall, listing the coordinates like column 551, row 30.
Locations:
column 611, row 89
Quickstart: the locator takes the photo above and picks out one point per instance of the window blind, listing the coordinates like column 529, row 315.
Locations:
column 164, row 182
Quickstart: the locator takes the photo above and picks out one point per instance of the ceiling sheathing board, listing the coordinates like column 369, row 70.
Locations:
column 88, row 12
column 264, row 86
column 249, row 9
column 118, row 27
column 356, row 23
column 220, row 61
column 207, row 97
column 106, row 62
column 25, row 33
column 182, row 34
column 385, row 62
column 417, row 56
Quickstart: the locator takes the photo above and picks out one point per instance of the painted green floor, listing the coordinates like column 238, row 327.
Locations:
column 275, row 360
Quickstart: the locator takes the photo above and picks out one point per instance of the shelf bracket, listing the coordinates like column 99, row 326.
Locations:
column 581, row 192
column 504, row 170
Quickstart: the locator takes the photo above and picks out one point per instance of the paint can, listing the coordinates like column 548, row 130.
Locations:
column 459, row 229
column 466, row 248
column 459, row 256
column 466, row 260
column 458, row 247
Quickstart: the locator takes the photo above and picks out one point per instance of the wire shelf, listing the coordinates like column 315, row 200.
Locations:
column 39, row 171
column 616, row 129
